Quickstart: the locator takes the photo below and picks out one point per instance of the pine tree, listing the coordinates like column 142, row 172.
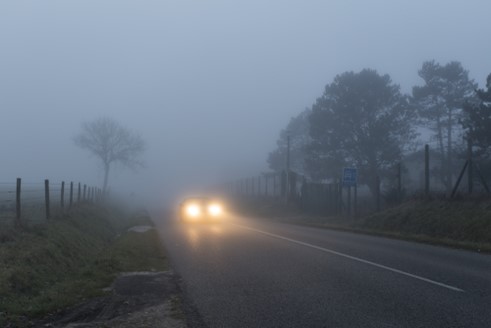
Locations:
column 478, row 121
column 440, row 102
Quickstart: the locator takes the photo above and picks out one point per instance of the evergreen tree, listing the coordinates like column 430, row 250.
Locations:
column 478, row 121
column 440, row 102
column 361, row 120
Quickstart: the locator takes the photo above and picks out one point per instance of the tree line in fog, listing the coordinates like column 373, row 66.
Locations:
column 363, row 120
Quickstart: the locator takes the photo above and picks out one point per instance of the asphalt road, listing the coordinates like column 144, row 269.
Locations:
column 257, row 273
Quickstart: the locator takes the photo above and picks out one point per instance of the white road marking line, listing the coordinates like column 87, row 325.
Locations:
column 354, row 258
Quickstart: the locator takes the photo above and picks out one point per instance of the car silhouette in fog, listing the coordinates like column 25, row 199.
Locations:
column 201, row 209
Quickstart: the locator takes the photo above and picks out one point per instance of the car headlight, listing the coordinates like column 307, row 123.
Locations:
column 193, row 210
column 215, row 209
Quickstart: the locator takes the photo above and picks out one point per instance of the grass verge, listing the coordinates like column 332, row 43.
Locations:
column 462, row 223
column 70, row 259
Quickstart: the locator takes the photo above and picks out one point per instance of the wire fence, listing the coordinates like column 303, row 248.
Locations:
column 413, row 177
column 35, row 202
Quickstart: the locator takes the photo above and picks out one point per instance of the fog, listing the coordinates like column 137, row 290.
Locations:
column 207, row 84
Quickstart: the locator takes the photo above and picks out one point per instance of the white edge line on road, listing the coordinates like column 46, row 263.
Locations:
column 354, row 258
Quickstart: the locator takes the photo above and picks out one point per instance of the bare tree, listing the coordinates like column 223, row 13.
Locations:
column 111, row 143
column 298, row 130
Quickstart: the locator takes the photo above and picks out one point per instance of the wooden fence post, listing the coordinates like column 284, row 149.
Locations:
column 458, row 179
column 339, row 192
column 377, row 192
column 470, row 173
column 283, row 185
column 427, row 170
column 62, row 200
column 337, row 199
column 349, row 201
column 355, row 201
column 84, row 197
column 71, row 193
column 329, row 199
column 292, row 186
column 17, row 201
column 46, row 197
column 399, row 182
column 79, row 192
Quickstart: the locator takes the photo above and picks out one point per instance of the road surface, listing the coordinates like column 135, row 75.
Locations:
column 249, row 272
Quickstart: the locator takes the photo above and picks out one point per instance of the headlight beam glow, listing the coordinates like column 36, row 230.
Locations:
column 215, row 209
column 193, row 210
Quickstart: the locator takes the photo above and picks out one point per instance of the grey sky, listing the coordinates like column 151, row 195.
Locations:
column 208, row 84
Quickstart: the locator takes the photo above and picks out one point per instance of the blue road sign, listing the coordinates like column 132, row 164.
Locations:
column 350, row 176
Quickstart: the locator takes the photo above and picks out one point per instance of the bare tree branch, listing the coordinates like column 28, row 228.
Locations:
column 111, row 143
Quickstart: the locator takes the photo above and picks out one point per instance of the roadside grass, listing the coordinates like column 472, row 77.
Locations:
column 464, row 223
column 461, row 223
column 72, row 258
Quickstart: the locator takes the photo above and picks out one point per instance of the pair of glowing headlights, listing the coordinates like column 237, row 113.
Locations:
column 194, row 210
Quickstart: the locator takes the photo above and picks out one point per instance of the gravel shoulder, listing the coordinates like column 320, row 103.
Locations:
column 135, row 299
